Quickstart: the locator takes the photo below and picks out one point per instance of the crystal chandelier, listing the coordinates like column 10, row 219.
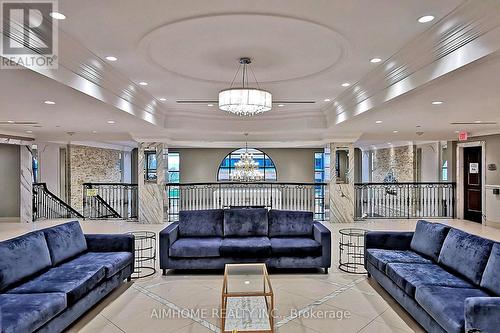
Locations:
column 245, row 101
column 246, row 169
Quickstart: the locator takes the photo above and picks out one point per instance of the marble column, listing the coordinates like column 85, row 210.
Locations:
column 341, row 190
column 151, row 193
column 26, row 183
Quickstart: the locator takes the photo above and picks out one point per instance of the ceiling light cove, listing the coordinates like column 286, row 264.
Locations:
column 425, row 19
column 57, row 16
column 375, row 60
column 49, row 102
column 437, row 102
column 111, row 58
column 143, row 83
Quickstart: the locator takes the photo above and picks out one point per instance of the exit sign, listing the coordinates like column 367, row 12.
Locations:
column 462, row 136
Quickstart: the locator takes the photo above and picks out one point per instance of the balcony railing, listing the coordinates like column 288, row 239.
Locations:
column 293, row 196
column 110, row 200
column 46, row 205
column 404, row 200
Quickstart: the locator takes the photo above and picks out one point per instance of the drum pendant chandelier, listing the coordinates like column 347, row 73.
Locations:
column 245, row 101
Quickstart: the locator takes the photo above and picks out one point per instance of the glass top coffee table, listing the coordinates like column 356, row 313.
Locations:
column 247, row 299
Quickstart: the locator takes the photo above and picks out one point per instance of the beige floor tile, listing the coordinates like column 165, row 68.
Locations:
column 396, row 316
column 207, row 303
column 360, row 303
column 286, row 303
column 378, row 327
column 309, row 288
column 334, row 320
column 292, row 327
column 97, row 324
column 193, row 328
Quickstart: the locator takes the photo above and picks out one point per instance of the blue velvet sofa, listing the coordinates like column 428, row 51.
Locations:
column 447, row 279
column 209, row 239
column 50, row 277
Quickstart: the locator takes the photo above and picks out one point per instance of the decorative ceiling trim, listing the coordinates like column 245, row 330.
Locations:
column 469, row 33
column 86, row 72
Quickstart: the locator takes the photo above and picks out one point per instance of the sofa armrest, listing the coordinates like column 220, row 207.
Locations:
column 110, row 242
column 482, row 314
column 167, row 236
column 323, row 235
column 389, row 240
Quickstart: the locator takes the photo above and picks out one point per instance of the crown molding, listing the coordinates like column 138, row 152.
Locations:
column 469, row 33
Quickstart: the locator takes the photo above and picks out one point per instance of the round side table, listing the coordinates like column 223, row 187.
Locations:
column 145, row 254
column 352, row 250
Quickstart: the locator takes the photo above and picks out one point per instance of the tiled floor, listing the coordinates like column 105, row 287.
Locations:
column 351, row 303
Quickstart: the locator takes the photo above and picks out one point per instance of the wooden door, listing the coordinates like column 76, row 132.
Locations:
column 472, row 184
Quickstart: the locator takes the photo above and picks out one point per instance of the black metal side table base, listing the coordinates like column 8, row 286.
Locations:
column 352, row 250
column 145, row 254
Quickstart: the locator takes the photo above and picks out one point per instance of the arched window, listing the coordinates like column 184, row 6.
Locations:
column 266, row 165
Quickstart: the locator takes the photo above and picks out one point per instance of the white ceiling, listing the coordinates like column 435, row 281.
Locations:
column 301, row 50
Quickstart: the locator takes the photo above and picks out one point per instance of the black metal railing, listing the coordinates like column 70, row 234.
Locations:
column 46, row 205
column 404, row 200
column 110, row 200
column 293, row 196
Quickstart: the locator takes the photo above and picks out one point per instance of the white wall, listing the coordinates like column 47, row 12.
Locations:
column 202, row 164
column 429, row 163
column 10, row 166
column 49, row 166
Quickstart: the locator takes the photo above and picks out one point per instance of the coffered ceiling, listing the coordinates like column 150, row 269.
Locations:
column 301, row 51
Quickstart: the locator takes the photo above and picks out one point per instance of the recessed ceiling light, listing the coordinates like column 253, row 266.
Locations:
column 477, row 121
column 375, row 60
column 111, row 122
column 395, row 131
column 390, row 144
column 327, row 100
column 210, row 105
column 163, row 99
column 142, row 83
column 425, row 19
column 345, row 84
column 57, row 16
column 49, row 102
column 437, row 102
column 111, row 58
column 281, row 105
column 379, row 122
column 94, row 132
column 11, row 121
column 457, row 132
column 29, row 131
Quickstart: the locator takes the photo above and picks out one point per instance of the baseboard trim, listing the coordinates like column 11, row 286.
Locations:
column 10, row 219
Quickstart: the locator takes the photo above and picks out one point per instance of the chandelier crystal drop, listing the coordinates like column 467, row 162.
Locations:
column 246, row 169
column 245, row 101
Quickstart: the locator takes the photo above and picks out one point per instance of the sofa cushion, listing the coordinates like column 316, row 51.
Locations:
column 428, row 238
column 446, row 304
column 491, row 275
column 196, row 247
column 28, row 312
column 22, row 257
column 201, row 223
column 72, row 279
column 410, row 277
column 113, row 262
column 380, row 257
column 245, row 247
column 295, row 247
column 65, row 241
column 465, row 254
column 245, row 222
column 290, row 223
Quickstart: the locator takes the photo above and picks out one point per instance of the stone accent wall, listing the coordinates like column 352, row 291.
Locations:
column 90, row 164
column 399, row 160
